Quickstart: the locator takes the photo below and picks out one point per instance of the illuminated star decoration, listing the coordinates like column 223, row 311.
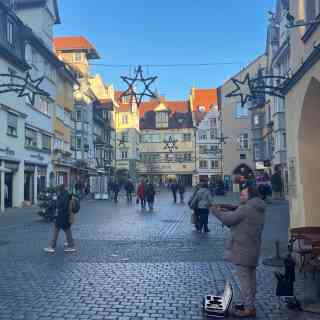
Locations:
column 171, row 145
column 31, row 88
column 24, row 86
column 138, row 96
column 243, row 90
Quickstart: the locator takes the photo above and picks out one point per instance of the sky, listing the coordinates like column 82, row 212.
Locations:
column 127, row 32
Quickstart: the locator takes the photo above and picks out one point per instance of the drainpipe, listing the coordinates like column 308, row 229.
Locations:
column 2, row 177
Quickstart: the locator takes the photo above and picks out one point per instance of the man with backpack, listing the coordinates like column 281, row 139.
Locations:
column 67, row 207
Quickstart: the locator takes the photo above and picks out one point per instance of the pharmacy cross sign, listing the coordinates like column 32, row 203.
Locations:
column 138, row 79
column 250, row 89
column 171, row 144
column 23, row 86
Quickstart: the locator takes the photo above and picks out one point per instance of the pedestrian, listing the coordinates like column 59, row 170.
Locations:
column 181, row 190
column 203, row 201
column 116, row 189
column 277, row 185
column 174, row 189
column 64, row 220
column 129, row 187
column 212, row 187
column 141, row 195
column 194, row 207
column 150, row 195
column 246, row 225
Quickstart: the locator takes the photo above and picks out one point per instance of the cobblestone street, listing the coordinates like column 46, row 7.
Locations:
column 129, row 265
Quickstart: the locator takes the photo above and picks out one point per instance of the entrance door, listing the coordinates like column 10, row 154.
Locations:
column 8, row 189
column 28, row 186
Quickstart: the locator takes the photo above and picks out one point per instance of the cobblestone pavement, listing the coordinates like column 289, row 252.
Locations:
column 129, row 265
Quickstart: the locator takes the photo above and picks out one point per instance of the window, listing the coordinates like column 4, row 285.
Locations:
column 187, row 157
column 214, row 133
column 257, row 153
column 203, row 150
column 256, row 120
column 79, row 143
column 58, row 143
column 202, row 109
column 243, row 156
column 170, row 157
column 10, row 31
column 31, row 138
column 203, row 164
column 60, row 113
column 213, row 123
column 77, row 56
column 125, row 136
column 78, row 115
column 202, row 135
column 214, row 164
column 162, row 119
column 125, row 119
column 46, row 142
column 124, row 155
column 244, row 141
column 242, row 112
column 43, row 106
column 187, row 137
column 12, row 124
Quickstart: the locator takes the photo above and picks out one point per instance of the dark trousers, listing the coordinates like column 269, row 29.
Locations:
column 116, row 196
column 203, row 215
column 143, row 202
column 181, row 197
column 68, row 233
column 129, row 196
column 174, row 196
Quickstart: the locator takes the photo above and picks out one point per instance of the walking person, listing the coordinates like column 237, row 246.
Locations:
column 246, row 225
column 203, row 201
column 174, row 189
column 181, row 190
column 129, row 187
column 141, row 194
column 116, row 189
column 64, row 221
column 150, row 195
column 277, row 185
column 194, row 207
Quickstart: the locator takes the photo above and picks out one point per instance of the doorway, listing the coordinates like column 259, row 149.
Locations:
column 8, row 190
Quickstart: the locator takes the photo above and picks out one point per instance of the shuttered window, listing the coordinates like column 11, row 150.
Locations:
column 12, row 124
column 46, row 142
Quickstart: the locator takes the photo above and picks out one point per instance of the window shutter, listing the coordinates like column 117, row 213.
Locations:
column 12, row 120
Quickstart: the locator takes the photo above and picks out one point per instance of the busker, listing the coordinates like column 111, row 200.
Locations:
column 174, row 189
column 150, row 195
column 246, row 225
column 129, row 187
column 64, row 221
column 203, row 201
column 181, row 190
column 141, row 195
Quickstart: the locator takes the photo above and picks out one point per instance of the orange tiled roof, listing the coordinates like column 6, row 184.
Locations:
column 203, row 97
column 174, row 106
column 70, row 43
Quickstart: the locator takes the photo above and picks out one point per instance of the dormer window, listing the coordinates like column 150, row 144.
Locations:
column 162, row 119
column 202, row 109
column 77, row 56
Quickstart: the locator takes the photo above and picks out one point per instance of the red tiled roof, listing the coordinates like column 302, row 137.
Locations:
column 75, row 43
column 174, row 106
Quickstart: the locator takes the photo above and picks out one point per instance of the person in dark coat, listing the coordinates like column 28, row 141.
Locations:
column 116, row 189
column 174, row 189
column 181, row 190
column 150, row 195
column 277, row 185
column 64, row 221
column 129, row 187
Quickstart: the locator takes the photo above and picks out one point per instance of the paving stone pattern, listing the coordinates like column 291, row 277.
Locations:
column 130, row 265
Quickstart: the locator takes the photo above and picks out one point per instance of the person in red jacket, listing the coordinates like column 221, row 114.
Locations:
column 141, row 194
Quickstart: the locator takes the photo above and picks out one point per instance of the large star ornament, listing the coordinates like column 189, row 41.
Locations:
column 243, row 90
column 171, row 145
column 31, row 88
column 138, row 96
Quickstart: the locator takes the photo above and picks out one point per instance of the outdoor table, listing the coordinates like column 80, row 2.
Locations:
column 312, row 234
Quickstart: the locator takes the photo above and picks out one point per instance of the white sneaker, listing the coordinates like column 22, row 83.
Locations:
column 70, row 249
column 50, row 250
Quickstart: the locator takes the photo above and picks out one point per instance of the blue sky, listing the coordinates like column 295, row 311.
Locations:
column 164, row 32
